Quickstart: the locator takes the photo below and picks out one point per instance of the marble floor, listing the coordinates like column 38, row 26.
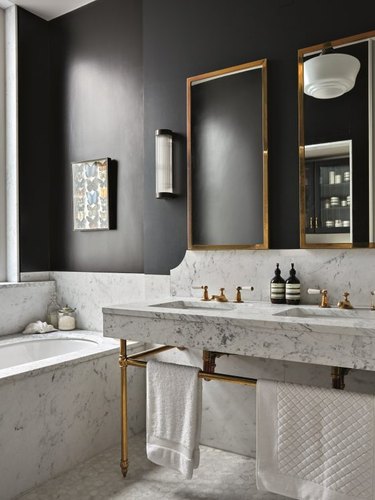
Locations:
column 221, row 476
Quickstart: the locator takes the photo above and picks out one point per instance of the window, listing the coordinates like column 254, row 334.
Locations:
column 9, row 251
column 2, row 150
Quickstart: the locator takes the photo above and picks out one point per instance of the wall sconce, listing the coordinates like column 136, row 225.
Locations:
column 330, row 74
column 164, row 163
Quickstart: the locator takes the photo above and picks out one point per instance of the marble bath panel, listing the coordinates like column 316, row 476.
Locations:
column 22, row 303
column 334, row 269
column 89, row 292
column 50, row 422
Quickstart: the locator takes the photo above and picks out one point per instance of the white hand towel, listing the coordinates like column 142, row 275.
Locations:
column 174, row 411
column 313, row 443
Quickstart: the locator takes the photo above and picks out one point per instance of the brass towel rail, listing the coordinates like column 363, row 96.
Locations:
column 206, row 375
column 337, row 374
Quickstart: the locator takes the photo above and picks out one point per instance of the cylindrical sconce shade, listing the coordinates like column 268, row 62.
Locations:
column 164, row 163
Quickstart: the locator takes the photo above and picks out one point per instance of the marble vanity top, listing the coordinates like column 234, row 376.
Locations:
column 295, row 333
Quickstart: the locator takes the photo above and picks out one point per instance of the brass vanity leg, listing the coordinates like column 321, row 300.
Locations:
column 338, row 377
column 124, row 464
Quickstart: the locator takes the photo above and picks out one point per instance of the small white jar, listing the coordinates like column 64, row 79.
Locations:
column 67, row 318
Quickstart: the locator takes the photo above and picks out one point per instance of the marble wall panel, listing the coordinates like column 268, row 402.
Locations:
column 336, row 270
column 22, row 303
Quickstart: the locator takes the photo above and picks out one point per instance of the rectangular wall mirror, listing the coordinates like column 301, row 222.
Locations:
column 228, row 158
column 336, row 142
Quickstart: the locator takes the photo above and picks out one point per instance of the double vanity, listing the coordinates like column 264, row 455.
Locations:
column 308, row 334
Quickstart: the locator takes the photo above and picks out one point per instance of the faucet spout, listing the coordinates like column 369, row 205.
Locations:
column 345, row 303
column 221, row 297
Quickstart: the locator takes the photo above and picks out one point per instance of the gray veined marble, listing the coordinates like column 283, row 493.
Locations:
column 22, row 303
column 250, row 330
column 89, row 292
column 336, row 270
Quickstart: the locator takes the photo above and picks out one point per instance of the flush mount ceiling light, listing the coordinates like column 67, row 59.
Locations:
column 330, row 74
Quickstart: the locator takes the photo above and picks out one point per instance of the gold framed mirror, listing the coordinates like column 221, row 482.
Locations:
column 227, row 144
column 336, row 113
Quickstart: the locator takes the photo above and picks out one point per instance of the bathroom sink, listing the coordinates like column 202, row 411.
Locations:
column 334, row 312
column 198, row 306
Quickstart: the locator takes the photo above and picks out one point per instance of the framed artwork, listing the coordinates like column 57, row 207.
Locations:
column 91, row 195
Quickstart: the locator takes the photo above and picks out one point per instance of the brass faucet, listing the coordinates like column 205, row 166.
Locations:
column 324, row 293
column 205, row 297
column 345, row 303
column 238, row 298
column 324, row 302
column 221, row 297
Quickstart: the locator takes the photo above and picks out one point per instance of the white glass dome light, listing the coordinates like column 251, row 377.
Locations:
column 330, row 75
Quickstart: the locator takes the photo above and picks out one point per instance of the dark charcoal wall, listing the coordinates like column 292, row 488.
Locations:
column 97, row 111
column 34, row 174
column 190, row 37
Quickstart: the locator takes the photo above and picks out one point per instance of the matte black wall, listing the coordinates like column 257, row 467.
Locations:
column 34, row 171
column 97, row 111
column 190, row 37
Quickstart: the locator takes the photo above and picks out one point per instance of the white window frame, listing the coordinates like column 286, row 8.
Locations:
column 9, row 218
column 3, row 246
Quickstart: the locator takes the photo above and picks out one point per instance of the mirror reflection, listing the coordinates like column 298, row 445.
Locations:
column 227, row 158
column 336, row 86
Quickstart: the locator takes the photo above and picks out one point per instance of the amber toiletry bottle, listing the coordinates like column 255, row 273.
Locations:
column 277, row 288
column 292, row 288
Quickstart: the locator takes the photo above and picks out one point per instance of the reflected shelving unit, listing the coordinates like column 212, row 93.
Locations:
column 328, row 189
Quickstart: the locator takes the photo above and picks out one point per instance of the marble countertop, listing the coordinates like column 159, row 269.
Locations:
column 342, row 338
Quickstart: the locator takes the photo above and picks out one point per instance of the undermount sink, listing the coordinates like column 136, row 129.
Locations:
column 300, row 312
column 200, row 306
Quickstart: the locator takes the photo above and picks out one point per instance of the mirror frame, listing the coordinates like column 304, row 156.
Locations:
column 259, row 64
column 301, row 135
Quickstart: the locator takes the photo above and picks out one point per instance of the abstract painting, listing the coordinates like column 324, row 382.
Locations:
column 90, row 195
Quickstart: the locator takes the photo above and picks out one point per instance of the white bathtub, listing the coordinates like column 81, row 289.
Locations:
column 32, row 350
column 59, row 404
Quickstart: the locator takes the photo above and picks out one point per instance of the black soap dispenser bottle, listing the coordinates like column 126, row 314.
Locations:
column 292, row 288
column 277, row 288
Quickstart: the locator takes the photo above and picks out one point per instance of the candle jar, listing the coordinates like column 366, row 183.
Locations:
column 67, row 318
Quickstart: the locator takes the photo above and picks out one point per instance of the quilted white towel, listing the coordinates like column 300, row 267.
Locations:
column 174, row 411
column 313, row 443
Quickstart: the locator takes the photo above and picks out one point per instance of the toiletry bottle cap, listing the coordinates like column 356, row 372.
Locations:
column 277, row 270
column 292, row 271
column 66, row 310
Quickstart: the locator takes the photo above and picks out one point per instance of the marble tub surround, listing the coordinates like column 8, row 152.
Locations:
column 336, row 270
column 89, row 292
column 254, row 329
column 55, row 416
column 23, row 303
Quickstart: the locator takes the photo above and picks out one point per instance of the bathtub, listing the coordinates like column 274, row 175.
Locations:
column 59, row 404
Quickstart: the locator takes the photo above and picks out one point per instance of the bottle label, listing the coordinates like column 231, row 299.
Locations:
column 293, row 291
column 277, row 290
